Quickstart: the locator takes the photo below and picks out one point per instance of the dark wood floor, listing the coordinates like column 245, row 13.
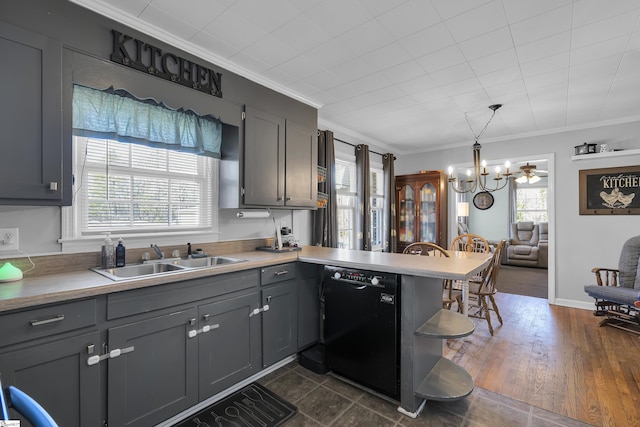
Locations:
column 556, row 358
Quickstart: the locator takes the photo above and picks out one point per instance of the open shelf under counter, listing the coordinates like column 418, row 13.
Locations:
column 446, row 381
column 446, row 324
column 606, row 154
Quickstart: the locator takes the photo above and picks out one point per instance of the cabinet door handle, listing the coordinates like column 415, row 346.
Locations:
column 280, row 273
column 289, row 199
column 58, row 318
column 279, row 199
column 268, row 298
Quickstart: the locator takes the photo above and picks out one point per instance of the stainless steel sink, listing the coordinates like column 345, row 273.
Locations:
column 164, row 266
column 211, row 261
column 138, row 270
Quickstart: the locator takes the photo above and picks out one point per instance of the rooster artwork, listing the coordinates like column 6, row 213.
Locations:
column 616, row 199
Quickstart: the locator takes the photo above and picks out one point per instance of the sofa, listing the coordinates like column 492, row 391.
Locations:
column 528, row 245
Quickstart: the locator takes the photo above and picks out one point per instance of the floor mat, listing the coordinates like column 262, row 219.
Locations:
column 252, row 406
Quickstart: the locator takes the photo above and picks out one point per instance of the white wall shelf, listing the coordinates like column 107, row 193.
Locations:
column 606, row 154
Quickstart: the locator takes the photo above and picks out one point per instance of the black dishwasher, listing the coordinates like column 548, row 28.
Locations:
column 362, row 327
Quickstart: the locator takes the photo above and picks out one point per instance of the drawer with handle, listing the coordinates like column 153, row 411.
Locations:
column 277, row 273
column 45, row 321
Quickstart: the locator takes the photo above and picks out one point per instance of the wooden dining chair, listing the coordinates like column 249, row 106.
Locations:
column 431, row 249
column 470, row 243
column 482, row 290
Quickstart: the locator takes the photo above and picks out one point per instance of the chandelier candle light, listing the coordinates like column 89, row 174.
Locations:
column 479, row 179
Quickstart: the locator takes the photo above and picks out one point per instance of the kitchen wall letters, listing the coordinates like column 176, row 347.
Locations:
column 144, row 57
column 610, row 191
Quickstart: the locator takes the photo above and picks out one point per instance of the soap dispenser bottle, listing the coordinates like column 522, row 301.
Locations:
column 120, row 254
column 108, row 253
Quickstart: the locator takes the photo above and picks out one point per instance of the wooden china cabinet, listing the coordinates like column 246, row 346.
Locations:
column 421, row 208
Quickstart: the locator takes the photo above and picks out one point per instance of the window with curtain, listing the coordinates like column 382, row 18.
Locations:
column 346, row 200
column 531, row 204
column 377, row 208
column 127, row 187
column 139, row 171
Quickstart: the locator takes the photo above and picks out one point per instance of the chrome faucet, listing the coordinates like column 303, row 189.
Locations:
column 158, row 251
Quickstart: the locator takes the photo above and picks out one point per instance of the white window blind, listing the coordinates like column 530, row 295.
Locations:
column 126, row 188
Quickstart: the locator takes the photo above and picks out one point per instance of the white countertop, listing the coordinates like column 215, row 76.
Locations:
column 61, row 287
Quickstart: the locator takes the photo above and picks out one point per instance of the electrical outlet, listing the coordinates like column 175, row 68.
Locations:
column 9, row 239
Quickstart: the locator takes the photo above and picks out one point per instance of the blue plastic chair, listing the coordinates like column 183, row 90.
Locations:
column 25, row 406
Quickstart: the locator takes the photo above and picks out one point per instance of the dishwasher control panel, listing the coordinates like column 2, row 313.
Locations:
column 361, row 277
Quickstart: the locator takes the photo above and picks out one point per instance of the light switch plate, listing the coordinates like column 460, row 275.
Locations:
column 9, row 239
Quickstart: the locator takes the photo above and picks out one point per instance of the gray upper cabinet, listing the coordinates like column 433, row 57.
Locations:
column 301, row 180
column 280, row 159
column 37, row 166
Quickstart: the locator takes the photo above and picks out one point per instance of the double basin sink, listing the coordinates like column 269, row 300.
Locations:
column 164, row 266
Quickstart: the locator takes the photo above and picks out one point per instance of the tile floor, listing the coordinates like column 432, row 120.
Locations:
column 324, row 400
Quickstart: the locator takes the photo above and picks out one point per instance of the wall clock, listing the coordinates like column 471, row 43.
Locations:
column 483, row 200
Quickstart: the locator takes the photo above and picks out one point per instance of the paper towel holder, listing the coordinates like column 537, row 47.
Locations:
column 253, row 214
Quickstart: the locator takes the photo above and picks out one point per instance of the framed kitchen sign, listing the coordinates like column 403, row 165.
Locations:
column 610, row 191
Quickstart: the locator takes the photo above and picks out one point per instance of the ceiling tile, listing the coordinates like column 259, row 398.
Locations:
column 520, row 10
column 271, row 51
column 352, row 70
column 379, row 7
column 417, row 85
column 444, row 58
column 291, row 33
column 546, row 64
column 545, row 80
column 599, row 50
column 330, row 54
column 604, row 30
column 207, row 10
column 299, row 67
column 409, row 18
column 250, row 62
column 234, row 29
column 452, row 74
column 267, row 15
column 448, row 9
column 365, row 38
column 403, row 72
column 210, row 43
column 504, row 75
column 497, row 61
column 542, row 48
column 478, row 21
column 542, row 26
column 386, row 57
column 590, row 11
column 339, row 16
column 486, row 44
column 427, row 41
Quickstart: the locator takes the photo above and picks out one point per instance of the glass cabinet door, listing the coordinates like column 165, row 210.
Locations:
column 428, row 213
column 407, row 215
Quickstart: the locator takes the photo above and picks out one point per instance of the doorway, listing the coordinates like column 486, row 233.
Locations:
column 498, row 218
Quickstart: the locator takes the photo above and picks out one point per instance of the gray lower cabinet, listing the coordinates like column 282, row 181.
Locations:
column 229, row 350
column 196, row 338
column 280, row 321
column 156, row 376
column 309, row 283
column 56, row 375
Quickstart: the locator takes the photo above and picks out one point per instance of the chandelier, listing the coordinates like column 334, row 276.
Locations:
column 478, row 181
